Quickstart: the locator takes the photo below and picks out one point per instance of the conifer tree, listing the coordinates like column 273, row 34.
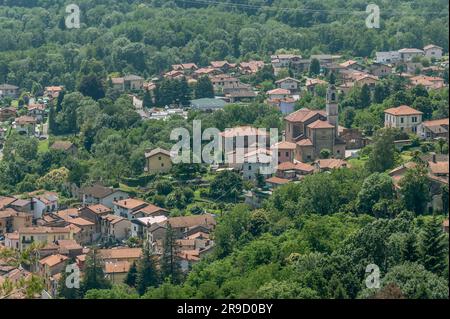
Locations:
column 130, row 279
column 433, row 247
column 147, row 273
column 170, row 264
column 94, row 276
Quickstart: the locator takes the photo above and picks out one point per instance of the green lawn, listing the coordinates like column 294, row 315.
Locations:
column 43, row 146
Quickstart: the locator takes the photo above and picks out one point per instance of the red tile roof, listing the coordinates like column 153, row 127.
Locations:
column 402, row 110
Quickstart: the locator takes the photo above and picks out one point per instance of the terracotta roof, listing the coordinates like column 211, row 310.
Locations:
column 68, row 244
column 157, row 151
column 284, row 145
column 80, row 222
column 278, row 92
column 348, row 63
column 331, row 163
column 431, row 46
column 120, row 253
column 305, row 142
column 243, row 131
column 122, row 266
column 410, row 50
column 99, row 209
column 288, row 166
column 190, row 221
column 320, row 124
column 303, row 114
column 287, row 79
column 97, row 191
column 114, row 219
column 43, row 230
column 130, row 203
column 53, row 260
column 62, row 145
column 151, row 209
column 277, row 180
column 7, row 212
column 69, row 213
column 402, row 110
column 439, row 168
column 5, row 201
column 436, row 122
column 25, row 120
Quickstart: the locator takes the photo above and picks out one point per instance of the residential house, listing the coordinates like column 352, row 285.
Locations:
column 274, row 182
column 353, row 138
column 284, row 105
column 209, row 71
column 50, row 266
column 128, row 83
column 290, row 84
column 8, row 90
column 238, row 92
column 182, row 227
column 403, row 117
column 293, row 170
column 433, row 51
column 158, row 160
column 53, row 91
column 139, row 225
column 438, row 174
column 387, row 57
column 12, row 220
column 186, row 68
column 223, row 66
column 120, row 254
column 407, row 54
column 250, row 67
column 257, row 162
column 310, row 84
column 128, row 207
column 433, row 129
column 39, row 234
column 286, row 151
column 87, row 230
column 116, row 271
column 65, row 146
column 380, row 69
column 25, row 125
column 224, row 81
column 94, row 214
column 429, row 82
column 114, row 227
column 7, row 113
column 352, row 65
column 98, row 194
column 37, row 111
column 278, row 94
column 324, row 165
column 43, row 202
column 12, row 240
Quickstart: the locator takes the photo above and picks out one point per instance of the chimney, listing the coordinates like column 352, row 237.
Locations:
column 433, row 157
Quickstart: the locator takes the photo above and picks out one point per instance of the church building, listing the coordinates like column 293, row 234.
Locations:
column 315, row 130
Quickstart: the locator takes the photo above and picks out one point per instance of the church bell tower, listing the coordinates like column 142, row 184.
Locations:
column 332, row 107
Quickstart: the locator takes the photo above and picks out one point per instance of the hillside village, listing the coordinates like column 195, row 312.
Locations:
column 116, row 223
column 94, row 206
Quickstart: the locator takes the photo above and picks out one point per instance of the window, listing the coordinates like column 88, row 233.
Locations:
column 401, row 120
column 287, row 154
column 159, row 158
column 162, row 164
column 279, row 154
